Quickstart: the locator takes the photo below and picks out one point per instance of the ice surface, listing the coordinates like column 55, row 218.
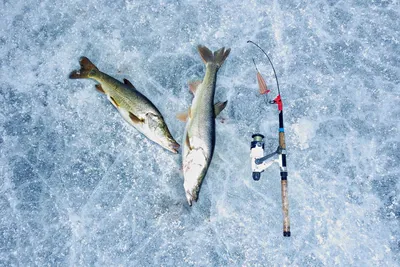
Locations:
column 80, row 187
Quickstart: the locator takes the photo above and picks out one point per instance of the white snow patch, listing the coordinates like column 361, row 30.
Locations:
column 305, row 131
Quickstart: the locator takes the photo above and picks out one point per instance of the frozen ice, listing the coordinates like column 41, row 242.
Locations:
column 80, row 187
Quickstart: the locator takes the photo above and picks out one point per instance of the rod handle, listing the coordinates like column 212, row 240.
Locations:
column 285, row 206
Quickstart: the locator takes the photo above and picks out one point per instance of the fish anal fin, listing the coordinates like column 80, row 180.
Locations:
column 128, row 83
column 134, row 118
column 99, row 88
column 219, row 106
column 193, row 86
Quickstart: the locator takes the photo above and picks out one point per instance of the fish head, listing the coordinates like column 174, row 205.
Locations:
column 192, row 188
column 160, row 133
column 195, row 166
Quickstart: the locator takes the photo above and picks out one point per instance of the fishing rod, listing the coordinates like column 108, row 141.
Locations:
column 259, row 161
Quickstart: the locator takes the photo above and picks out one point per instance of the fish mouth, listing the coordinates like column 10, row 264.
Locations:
column 174, row 147
column 189, row 198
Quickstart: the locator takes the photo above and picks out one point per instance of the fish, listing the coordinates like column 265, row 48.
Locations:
column 133, row 106
column 199, row 136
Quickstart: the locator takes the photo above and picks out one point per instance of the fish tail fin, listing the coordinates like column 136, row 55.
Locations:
column 86, row 67
column 218, row 57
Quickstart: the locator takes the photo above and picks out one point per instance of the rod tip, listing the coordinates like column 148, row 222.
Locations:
column 286, row 233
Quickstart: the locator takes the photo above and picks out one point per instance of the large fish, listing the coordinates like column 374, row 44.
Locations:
column 199, row 137
column 134, row 107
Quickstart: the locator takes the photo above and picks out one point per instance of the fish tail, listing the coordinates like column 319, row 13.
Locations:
column 86, row 67
column 218, row 57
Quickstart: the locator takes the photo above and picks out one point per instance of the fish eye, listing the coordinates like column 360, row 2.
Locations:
column 153, row 119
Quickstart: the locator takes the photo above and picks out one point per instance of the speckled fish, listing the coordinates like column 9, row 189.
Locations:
column 134, row 107
column 199, row 137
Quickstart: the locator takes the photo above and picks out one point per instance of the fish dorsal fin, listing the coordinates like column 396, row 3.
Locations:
column 219, row 106
column 134, row 118
column 128, row 83
column 193, row 86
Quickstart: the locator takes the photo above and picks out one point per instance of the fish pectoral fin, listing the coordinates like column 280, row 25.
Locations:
column 183, row 116
column 113, row 101
column 129, row 84
column 135, row 119
column 99, row 88
column 187, row 142
column 218, row 107
column 193, row 86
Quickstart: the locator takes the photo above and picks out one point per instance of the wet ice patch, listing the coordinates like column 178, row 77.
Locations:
column 304, row 131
